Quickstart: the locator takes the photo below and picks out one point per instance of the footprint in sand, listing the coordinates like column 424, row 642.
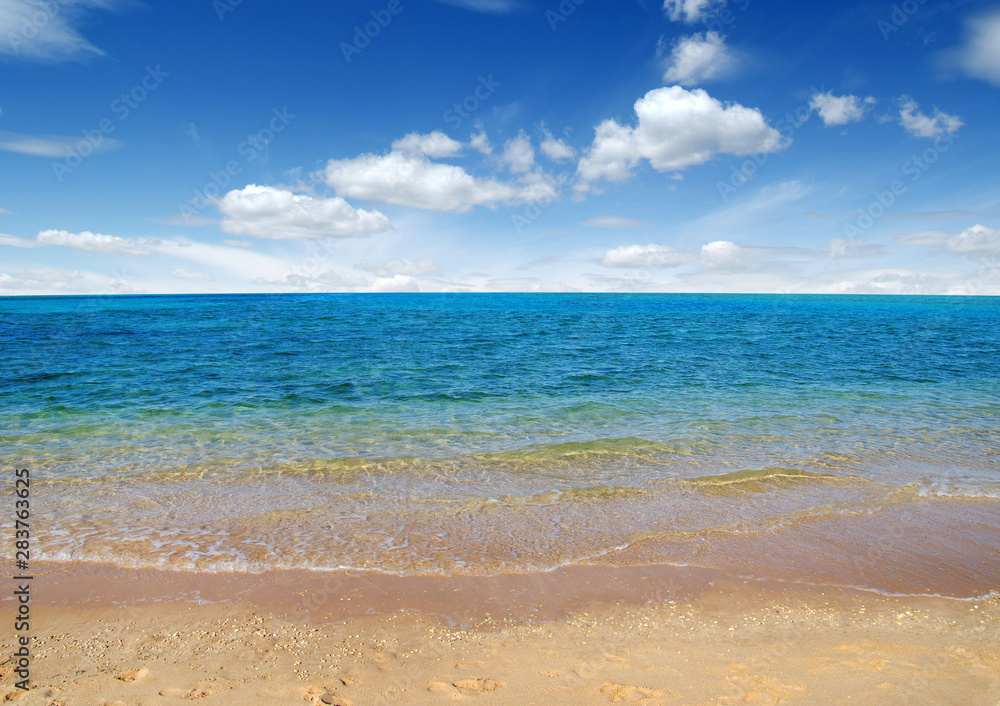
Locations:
column 621, row 692
column 439, row 687
column 478, row 686
column 189, row 694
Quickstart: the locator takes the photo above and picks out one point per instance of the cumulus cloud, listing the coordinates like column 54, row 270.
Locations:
column 434, row 145
column 920, row 125
column 698, row 58
column 409, row 268
column 677, row 128
column 722, row 255
column 615, row 222
column 839, row 110
column 412, row 179
column 691, row 11
column 398, row 283
column 519, row 155
column 651, row 255
column 47, row 31
column 481, row 143
column 270, row 212
column 49, row 145
column 977, row 240
column 555, row 149
column 94, row 242
column 979, row 57
column 192, row 275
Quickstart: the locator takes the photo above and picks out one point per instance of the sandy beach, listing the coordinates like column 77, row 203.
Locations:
column 581, row 635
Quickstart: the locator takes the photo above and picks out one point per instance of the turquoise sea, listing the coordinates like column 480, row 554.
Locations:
column 823, row 439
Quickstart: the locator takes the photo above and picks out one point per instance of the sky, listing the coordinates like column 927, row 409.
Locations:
column 499, row 145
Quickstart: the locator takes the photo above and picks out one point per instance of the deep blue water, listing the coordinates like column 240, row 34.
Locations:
column 451, row 399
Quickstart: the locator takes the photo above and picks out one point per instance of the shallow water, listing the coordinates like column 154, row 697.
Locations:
column 478, row 434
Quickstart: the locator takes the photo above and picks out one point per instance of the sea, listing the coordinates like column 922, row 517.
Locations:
column 824, row 440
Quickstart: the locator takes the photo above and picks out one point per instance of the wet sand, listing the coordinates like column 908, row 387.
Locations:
column 579, row 635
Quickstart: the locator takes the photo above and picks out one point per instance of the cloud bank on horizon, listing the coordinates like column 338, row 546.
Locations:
column 499, row 145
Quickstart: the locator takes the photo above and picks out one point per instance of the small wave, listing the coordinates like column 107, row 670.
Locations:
column 553, row 497
column 576, row 452
column 984, row 490
column 758, row 477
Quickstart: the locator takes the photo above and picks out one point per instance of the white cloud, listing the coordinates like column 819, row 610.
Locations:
column 270, row 212
column 645, row 256
column 980, row 55
column 239, row 244
column 409, row 268
column 676, row 129
column 691, row 11
column 615, row 222
column 50, row 145
column 481, row 143
column 839, row 110
column 192, row 275
column 16, row 242
column 94, row 242
column 39, row 280
column 722, row 255
column 409, row 179
column 434, row 145
column 555, row 149
column 46, row 31
column 977, row 240
column 398, row 283
column 519, row 155
column 698, row 58
column 919, row 125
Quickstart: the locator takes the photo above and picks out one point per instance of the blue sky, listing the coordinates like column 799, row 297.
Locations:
column 499, row 145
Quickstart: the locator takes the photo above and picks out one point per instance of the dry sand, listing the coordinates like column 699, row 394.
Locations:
column 580, row 636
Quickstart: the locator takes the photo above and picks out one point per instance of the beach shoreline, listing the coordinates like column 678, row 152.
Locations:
column 576, row 635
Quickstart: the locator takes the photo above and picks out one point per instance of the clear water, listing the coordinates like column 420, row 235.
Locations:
column 489, row 433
